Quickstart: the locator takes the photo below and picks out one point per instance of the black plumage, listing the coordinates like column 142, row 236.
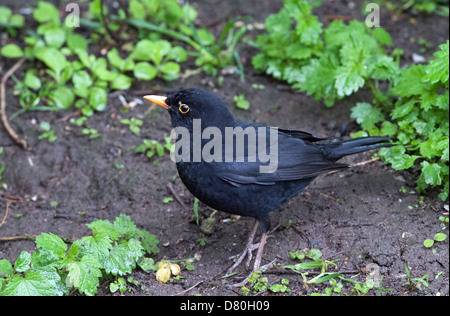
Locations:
column 239, row 187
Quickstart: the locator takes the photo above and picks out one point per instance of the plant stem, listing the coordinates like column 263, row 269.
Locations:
column 376, row 92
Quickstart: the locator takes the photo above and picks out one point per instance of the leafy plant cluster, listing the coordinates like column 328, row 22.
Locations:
column 329, row 63
column 154, row 38
column 55, row 268
column 334, row 62
column 430, row 6
column 418, row 120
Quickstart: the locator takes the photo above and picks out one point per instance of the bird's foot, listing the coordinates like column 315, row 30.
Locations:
column 247, row 278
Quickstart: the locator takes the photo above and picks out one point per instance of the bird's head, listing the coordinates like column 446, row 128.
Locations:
column 188, row 104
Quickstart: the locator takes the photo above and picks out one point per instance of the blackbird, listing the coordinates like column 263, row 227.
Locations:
column 237, row 183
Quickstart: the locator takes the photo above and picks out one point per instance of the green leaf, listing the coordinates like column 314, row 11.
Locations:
column 34, row 283
column 6, row 268
column 45, row 12
column 98, row 98
column 5, row 14
column 410, row 82
column 382, row 36
column 119, row 63
column 388, row 129
column 124, row 225
column 177, row 54
column 147, row 50
column 148, row 241
column 121, row 82
column 366, row 115
column 31, row 80
column 76, row 41
column 55, row 37
column 82, row 83
column 104, row 227
column 348, row 81
column 428, row 243
column 144, row 71
column 22, row 263
column 438, row 69
column 84, row 275
column 63, row 97
column 99, row 245
column 170, row 70
column 52, row 57
column 431, row 173
column 440, row 237
column 51, row 242
column 11, row 51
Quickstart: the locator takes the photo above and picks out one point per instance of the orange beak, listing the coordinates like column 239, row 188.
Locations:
column 160, row 100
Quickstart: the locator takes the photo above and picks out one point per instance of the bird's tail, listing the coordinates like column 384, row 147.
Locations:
column 336, row 151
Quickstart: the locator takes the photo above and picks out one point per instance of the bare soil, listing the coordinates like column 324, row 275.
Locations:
column 355, row 217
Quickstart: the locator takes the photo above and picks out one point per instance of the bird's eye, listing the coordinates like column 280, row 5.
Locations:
column 183, row 108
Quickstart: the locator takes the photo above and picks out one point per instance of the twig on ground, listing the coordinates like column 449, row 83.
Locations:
column 176, row 196
column 15, row 238
column 187, row 290
column 4, row 119
column 362, row 163
column 6, row 214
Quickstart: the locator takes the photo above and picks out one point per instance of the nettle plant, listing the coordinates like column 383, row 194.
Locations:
column 55, row 268
column 338, row 61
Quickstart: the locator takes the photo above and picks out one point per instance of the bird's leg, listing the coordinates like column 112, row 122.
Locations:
column 247, row 250
column 256, row 265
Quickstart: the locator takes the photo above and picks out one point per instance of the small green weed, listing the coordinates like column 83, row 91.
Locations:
column 151, row 147
column 134, row 124
column 437, row 238
column 415, row 283
column 241, row 103
column 48, row 133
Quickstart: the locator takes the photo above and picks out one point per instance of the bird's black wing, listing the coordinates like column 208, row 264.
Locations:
column 301, row 134
column 297, row 159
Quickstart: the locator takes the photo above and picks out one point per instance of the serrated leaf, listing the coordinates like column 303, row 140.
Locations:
column 148, row 241
column 6, row 268
column 52, row 243
column 124, row 226
column 366, row 115
column 104, row 227
column 99, row 245
column 438, row 69
column 410, row 82
column 348, row 81
column 84, row 275
column 34, row 283
column 118, row 261
column 22, row 263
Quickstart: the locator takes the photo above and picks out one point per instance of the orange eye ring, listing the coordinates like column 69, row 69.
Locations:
column 183, row 108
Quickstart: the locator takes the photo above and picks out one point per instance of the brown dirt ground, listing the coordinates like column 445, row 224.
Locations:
column 355, row 217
